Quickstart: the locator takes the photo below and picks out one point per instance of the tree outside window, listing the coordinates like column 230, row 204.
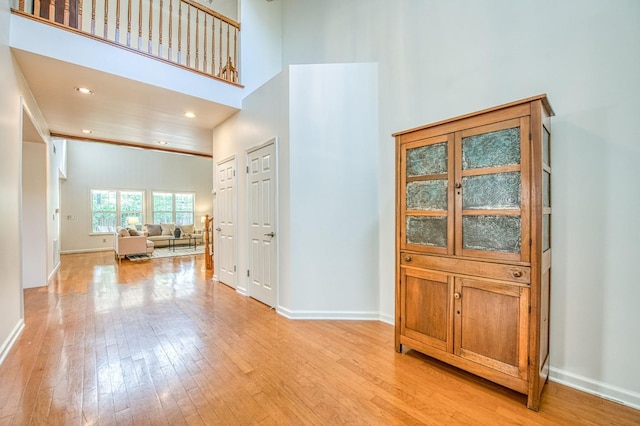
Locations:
column 103, row 211
column 175, row 208
column 112, row 208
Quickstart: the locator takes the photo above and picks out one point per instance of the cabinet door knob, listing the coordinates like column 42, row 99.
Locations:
column 516, row 273
column 407, row 258
column 456, row 295
column 458, row 185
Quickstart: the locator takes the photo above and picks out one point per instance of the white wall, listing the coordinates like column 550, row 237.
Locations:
column 34, row 214
column 103, row 166
column 324, row 118
column 333, row 191
column 260, row 42
column 440, row 59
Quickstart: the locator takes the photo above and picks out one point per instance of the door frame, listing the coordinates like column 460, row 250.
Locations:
column 216, row 220
column 272, row 141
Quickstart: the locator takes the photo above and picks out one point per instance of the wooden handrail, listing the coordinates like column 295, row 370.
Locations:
column 218, row 60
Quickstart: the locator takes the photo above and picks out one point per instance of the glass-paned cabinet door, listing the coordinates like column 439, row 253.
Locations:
column 425, row 195
column 491, row 197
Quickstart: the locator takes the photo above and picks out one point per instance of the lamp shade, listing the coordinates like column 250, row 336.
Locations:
column 133, row 220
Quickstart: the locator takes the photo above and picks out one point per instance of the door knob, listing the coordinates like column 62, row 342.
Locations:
column 458, row 185
column 407, row 258
column 270, row 234
column 218, row 229
column 456, row 295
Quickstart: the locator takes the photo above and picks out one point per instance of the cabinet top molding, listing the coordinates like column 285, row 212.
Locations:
column 542, row 97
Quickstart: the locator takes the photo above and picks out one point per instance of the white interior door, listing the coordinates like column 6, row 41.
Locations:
column 225, row 223
column 262, row 230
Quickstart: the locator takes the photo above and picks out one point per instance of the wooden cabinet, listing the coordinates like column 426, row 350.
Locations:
column 473, row 243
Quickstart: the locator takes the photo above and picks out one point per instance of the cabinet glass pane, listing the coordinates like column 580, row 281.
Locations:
column 546, row 189
column 427, row 231
column 491, row 233
column 427, row 195
column 427, row 160
column 546, row 232
column 494, row 191
column 493, row 149
column 545, row 146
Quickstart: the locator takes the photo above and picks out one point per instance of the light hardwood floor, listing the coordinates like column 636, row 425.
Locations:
column 158, row 342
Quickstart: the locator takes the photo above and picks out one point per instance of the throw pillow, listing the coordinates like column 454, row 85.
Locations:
column 154, row 230
column 187, row 229
column 123, row 232
column 167, row 228
column 133, row 232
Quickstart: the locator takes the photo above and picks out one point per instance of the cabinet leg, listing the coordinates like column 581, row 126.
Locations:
column 399, row 348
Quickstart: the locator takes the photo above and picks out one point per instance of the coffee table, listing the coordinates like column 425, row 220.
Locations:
column 188, row 238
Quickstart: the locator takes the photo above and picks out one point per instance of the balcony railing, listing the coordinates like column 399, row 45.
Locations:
column 182, row 32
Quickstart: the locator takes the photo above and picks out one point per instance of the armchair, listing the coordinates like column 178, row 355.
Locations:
column 126, row 245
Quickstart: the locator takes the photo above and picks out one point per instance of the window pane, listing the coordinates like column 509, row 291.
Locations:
column 493, row 191
column 491, row 233
column 184, row 218
column 184, row 202
column 427, row 195
column 427, row 160
column 103, row 200
column 546, row 232
column 493, row 149
column 162, row 217
column 427, row 230
column 546, row 189
column 103, row 222
column 131, row 201
column 545, row 146
column 162, row 202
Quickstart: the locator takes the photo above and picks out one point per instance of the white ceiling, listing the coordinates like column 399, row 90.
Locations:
column 120, row 110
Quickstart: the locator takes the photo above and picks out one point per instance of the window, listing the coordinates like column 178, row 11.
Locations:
column 175, row 208
column 112, row 208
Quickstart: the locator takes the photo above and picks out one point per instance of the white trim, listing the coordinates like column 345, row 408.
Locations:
column 328, row 315
column 224, row 160
column 93, row 250
column 594, row 387
column 387, row 319
column 11, row 340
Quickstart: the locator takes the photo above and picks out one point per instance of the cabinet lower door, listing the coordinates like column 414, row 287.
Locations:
column 491, row 324
column 426, row 306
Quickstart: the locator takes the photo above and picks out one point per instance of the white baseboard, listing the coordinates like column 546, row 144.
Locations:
column 11, row 340
column 93, row 250
column 594, row 387
column 328, row 315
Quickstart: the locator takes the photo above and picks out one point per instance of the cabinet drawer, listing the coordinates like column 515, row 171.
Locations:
column 498, row 271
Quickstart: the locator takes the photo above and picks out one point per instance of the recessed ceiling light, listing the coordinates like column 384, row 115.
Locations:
column 84, row 90
column 87, row 131
column 189, row 114
column 162, row 143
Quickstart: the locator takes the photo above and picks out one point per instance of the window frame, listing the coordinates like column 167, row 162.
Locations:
column 174, row 212
column 118, row 212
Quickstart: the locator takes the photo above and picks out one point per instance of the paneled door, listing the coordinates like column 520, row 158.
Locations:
column 262, row 230
column 225, row 222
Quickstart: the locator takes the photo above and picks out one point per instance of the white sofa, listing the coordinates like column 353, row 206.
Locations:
column 160, row 233
column 125, row 244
